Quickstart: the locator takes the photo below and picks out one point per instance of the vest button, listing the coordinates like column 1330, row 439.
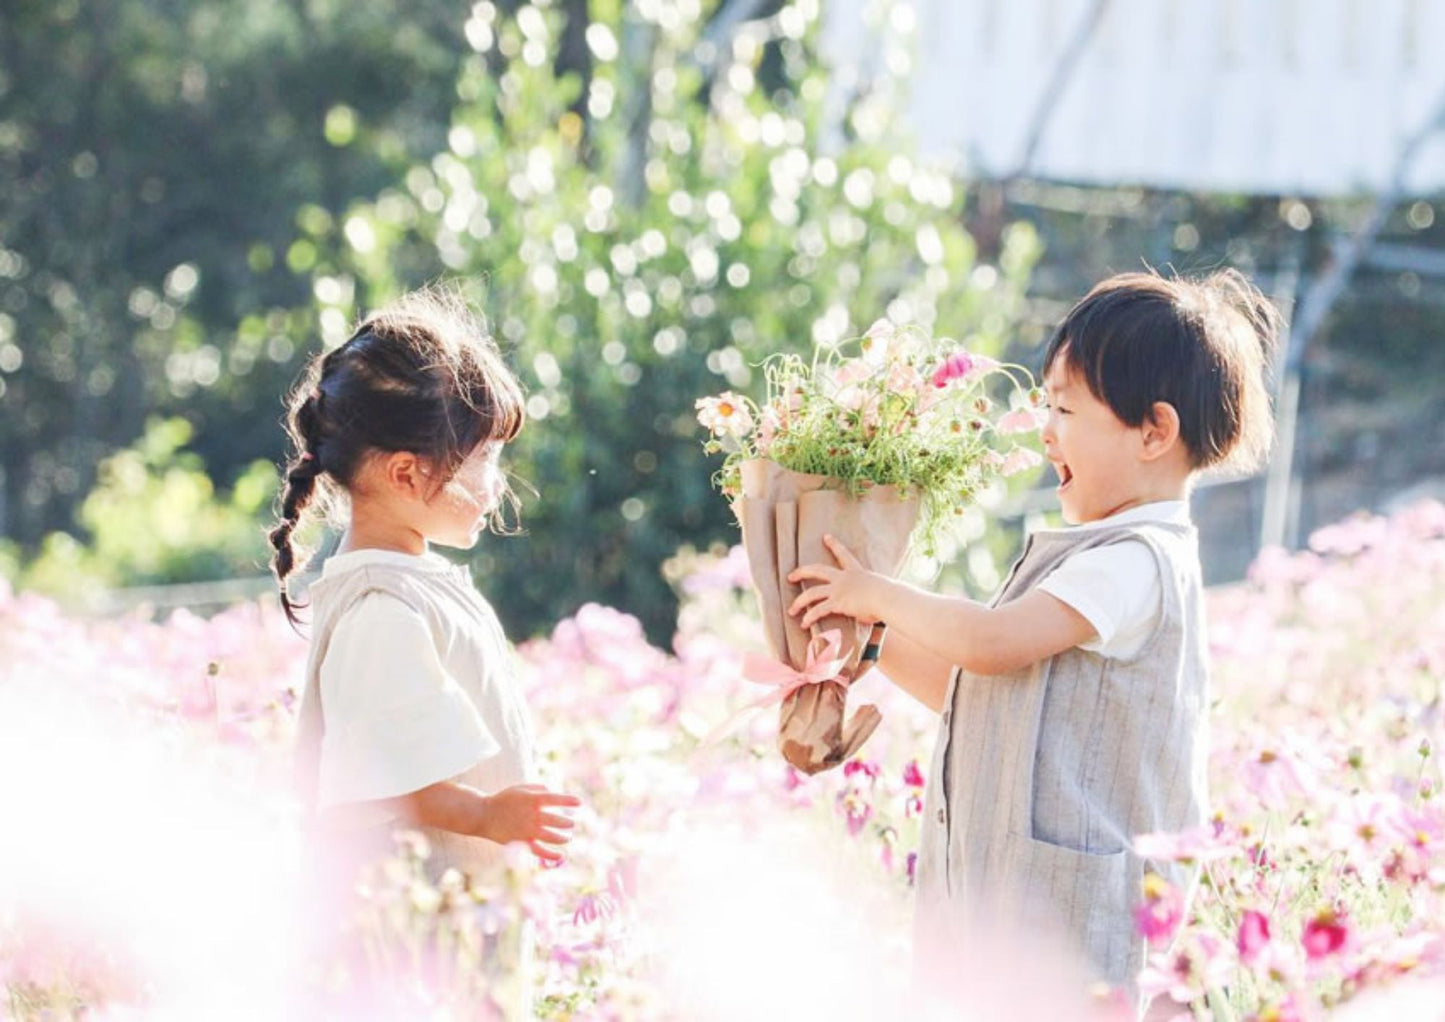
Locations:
column 940, row 816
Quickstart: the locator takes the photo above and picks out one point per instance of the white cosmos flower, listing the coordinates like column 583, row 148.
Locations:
column 725, row 415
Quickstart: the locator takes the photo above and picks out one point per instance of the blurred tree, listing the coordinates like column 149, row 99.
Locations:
column 155, row 516
column 157, row 156
column 644, row 222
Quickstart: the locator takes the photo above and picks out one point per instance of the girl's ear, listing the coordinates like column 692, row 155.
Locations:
column 405, row 474
column 1160, row 431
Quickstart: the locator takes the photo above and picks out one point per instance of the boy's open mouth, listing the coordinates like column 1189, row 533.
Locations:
column 1066, row 476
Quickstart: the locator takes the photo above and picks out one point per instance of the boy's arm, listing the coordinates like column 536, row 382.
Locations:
column 981, row 640
column 909, row 665
column 985, row 640
column 522, row 813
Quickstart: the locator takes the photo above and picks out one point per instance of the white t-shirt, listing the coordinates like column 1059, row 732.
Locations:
column 1117, row 587
column 402, row 713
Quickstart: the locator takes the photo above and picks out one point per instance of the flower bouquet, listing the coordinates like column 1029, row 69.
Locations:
column 873, row 447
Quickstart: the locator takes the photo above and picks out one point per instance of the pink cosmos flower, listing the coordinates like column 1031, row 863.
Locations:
column 851, row 397
column 1253, row 935
column 1324, row 935
column 1021, row 420
column 854, row 370
column 1201, row 844
column 954, row 367
column 1157, row 919
column 1020, row 459
column 861, row 766
column 912, row 775
column 769, row 424
column 593, row 906
column 856, row 811
column 904, row 379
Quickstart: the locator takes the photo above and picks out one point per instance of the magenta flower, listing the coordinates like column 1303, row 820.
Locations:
column 1157, row 919
column 1324, row 935
column 954, row 367
column 861, row 766
column 1253, row 935
column 912, row 775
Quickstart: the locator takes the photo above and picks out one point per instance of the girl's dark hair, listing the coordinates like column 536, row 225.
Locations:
column 1202, row 345
column 421, row 375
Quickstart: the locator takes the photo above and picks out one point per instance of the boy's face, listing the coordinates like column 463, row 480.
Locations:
column 1095, row 454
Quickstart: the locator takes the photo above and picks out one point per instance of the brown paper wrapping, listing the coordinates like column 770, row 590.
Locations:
column 784, row 516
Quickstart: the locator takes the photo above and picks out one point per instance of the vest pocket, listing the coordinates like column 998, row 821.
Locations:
column 1082, row 898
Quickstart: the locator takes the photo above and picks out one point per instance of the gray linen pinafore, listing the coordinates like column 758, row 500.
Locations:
column 1041, row 778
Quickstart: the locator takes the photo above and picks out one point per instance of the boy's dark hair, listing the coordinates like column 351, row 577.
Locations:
column 1202, row 345
column 421, row 375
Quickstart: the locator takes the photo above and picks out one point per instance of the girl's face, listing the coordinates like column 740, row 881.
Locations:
column 1095, row 454
column 458, row 509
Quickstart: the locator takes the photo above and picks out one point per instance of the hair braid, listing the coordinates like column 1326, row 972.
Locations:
column 300, row 489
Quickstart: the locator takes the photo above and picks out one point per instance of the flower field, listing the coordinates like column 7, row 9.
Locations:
column 148, row 863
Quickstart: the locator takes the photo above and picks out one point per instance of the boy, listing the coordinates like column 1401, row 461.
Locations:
column 1073, row 706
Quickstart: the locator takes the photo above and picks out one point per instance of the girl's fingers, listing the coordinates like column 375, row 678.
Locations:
column 547, row 855
column 552, row 837
column 552, row 798
column 555, row 820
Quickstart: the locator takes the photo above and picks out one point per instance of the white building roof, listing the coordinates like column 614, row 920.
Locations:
column 1303, row 97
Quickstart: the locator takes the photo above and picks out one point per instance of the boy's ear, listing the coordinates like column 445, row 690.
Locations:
column 1160, row 430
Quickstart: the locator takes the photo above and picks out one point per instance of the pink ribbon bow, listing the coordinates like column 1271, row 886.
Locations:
column 822, row 663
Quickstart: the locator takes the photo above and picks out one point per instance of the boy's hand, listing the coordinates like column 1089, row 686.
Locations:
column 848, row 589
column 527, row 813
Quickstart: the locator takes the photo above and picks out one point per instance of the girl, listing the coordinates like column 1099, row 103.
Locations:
column 410, row 715
column 1073, row 706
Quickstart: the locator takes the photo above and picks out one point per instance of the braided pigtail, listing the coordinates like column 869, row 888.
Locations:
column 304, row 425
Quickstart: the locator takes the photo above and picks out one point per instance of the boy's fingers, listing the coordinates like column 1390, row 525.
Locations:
column 552, row 837
column 813, row 572
column 823, row 609
column 554, row 820
column 544, row 853
column 807, row 597
column 841, row 553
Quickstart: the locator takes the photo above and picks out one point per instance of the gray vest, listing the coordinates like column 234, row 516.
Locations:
column 1041, row 778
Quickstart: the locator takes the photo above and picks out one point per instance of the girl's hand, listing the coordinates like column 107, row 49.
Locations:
column 527, row 813
column 848, row 589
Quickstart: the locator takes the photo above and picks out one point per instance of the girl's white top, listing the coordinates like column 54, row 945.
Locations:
column 1116, row 587
column 415, row 686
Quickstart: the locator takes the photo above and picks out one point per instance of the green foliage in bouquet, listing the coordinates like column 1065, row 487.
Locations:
column 908, row 410
column 651, row 199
